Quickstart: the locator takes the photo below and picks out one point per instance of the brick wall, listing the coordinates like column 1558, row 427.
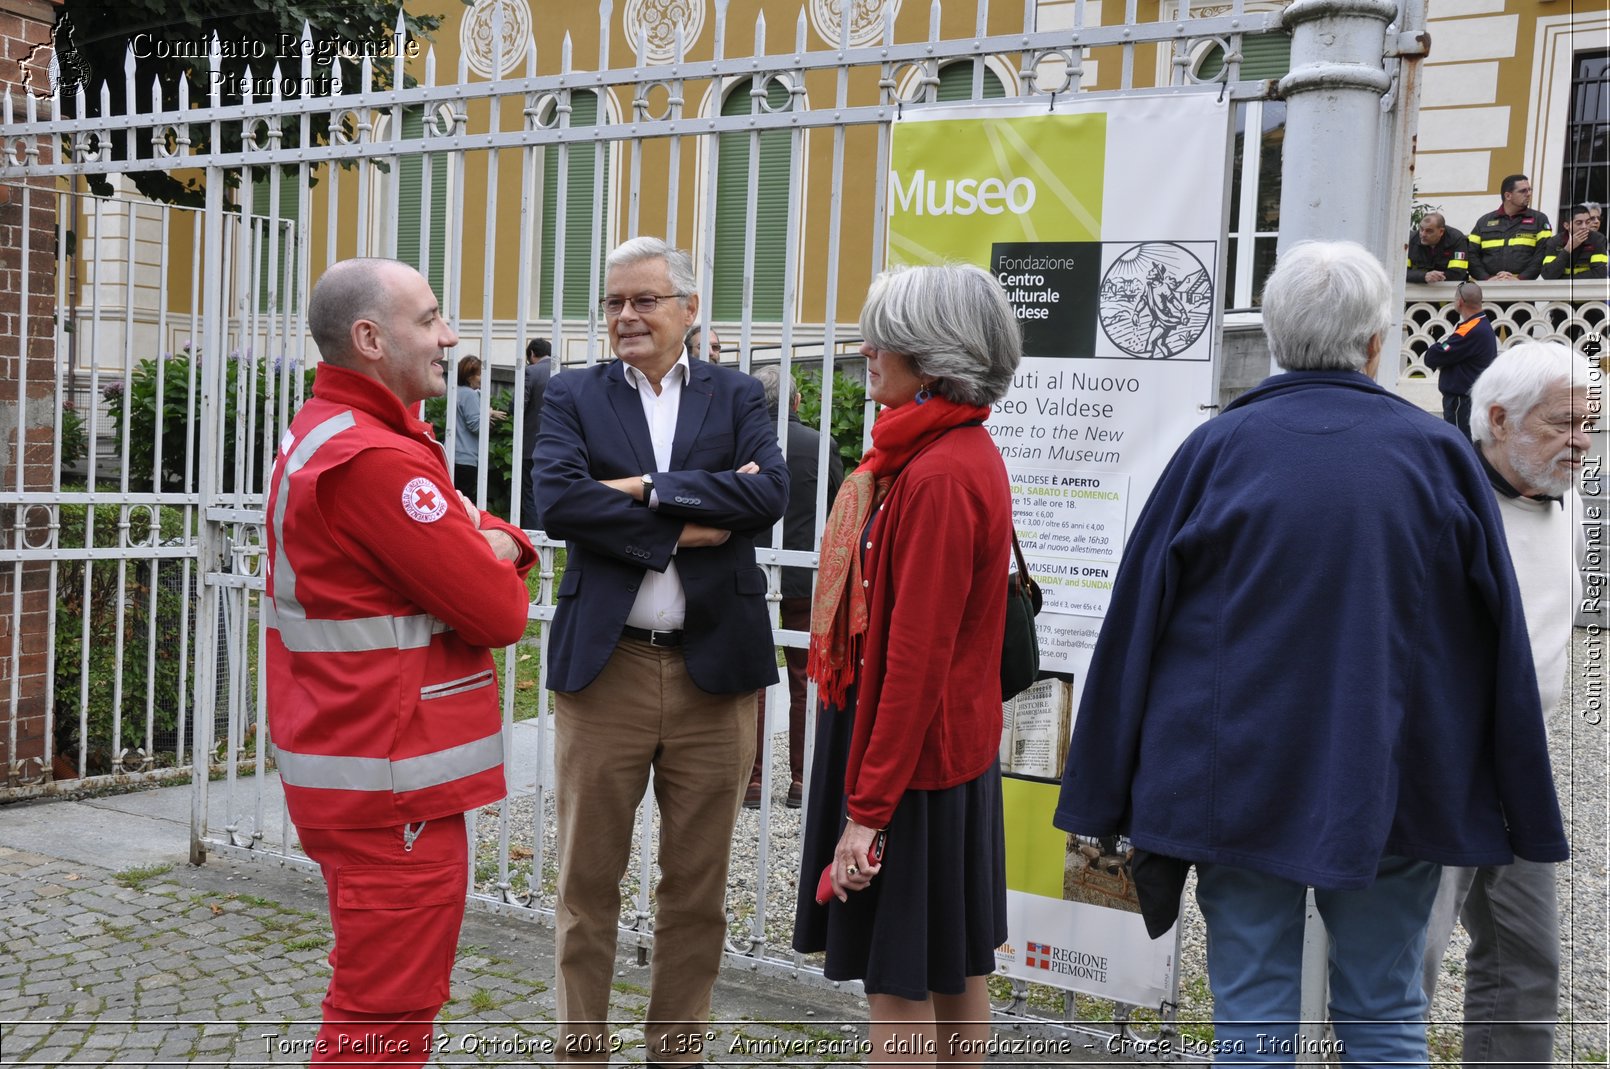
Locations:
column 27, row 399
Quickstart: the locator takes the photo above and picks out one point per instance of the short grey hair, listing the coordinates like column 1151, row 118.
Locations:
column 1518, row 380
column 349, row 290
column 953, row 322
column 774, row 382
column 678, row 264
column 1323, row 305
column 1468, row 294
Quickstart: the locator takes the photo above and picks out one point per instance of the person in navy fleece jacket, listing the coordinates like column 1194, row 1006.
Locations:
column 1315, row 672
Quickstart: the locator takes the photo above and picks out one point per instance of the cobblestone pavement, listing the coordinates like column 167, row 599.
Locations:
column 224, row 964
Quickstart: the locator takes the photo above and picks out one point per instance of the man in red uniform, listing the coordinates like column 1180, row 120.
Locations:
column 385, row 590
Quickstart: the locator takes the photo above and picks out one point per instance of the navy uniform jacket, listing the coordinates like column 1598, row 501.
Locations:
column 1588, row 260
column 1316, row 653
column 1463, row 355
column 1513, row 243
column 593, row 428
column 1447, row 256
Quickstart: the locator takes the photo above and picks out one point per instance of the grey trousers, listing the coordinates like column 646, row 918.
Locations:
column 1512, row 970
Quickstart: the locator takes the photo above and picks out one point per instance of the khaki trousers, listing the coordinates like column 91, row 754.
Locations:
column 642, row 713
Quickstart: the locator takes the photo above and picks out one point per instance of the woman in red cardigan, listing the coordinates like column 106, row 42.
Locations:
column 905, row 647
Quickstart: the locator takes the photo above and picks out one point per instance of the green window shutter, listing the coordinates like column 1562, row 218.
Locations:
column 287, row 213
column 410, row 203
column 1263, row 56
column 956, row 83
column 578, row 215
column 767, row 223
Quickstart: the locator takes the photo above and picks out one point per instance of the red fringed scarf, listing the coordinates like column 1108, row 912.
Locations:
column 839, row 609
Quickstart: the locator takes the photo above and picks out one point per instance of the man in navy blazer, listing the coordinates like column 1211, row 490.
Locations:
column 657, row 471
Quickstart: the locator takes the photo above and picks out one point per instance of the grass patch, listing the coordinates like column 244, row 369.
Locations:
column 629, row 989
column 483, row 1001
column 136, row 878
column 305, row 942
column 253, row 900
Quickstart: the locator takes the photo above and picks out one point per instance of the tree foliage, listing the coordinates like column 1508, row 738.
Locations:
column 170, row 41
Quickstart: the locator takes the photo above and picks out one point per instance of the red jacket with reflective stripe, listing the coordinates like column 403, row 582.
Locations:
column 383, row 598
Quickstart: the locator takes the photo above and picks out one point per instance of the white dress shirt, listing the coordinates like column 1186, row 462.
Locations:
column 660, row 604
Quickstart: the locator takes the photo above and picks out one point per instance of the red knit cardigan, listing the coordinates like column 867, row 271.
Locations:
column 928, row 700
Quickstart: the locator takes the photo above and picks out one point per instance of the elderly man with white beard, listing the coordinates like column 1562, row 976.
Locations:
column 1529, row 416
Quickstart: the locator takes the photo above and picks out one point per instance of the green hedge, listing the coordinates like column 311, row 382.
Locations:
column 849, row 410
column 499, row 447
column 144, row 402
column 104, row 609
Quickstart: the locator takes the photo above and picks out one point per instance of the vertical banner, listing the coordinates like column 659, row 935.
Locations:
column 1104, row 221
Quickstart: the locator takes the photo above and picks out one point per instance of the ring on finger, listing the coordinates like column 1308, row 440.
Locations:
column 853, row 871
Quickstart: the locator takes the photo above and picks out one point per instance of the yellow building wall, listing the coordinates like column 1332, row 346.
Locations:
column 1495, row 98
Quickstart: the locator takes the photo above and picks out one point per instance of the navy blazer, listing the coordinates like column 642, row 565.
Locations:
column 593, row 428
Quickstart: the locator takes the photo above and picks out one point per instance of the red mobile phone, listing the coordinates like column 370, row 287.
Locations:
column 824, row 885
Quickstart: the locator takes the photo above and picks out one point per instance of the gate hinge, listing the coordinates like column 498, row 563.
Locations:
column 1410, row 43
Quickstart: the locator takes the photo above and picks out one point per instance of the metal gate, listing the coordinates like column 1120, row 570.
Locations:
column 181, row 350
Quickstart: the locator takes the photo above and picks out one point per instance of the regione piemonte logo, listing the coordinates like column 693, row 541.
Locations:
column 1038, row 956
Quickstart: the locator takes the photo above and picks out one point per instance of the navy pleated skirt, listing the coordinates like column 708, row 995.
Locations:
column 935, row 913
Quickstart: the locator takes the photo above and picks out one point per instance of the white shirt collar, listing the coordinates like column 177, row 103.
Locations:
column 638, row 380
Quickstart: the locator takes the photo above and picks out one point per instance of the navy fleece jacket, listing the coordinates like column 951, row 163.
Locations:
column 1315, row 653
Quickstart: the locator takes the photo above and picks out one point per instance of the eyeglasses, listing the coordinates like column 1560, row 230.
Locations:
column 642, row 304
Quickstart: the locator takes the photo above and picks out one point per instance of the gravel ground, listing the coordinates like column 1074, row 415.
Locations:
column 1580, row 741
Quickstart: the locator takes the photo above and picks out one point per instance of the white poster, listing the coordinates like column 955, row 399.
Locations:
column 1104, row 221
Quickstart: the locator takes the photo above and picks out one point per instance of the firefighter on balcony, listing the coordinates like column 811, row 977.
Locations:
column 385, row 591
column 1508, row 242
column 1580, row 253
column 1437, row 251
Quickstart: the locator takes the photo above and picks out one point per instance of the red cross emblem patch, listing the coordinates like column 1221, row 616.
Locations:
column 1038, row 956
column 423, row 501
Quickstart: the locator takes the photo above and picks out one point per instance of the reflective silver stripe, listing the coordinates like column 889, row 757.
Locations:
column 323, row 772
column 457, row 686
column 284, row 575
column 285, row 613
column 353, row 636
column 334, row 773
column 445, row 766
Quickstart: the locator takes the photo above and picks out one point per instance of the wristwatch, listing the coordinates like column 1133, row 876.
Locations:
column 648, row 488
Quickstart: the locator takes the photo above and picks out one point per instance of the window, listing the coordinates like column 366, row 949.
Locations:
column 1260, row 134
column 283, row 263
column 579, row 213
column 765, row 222
column 956, row 83
column 1263, row 56
column 412, row 221
column 1586, row 174
column 1254, row 200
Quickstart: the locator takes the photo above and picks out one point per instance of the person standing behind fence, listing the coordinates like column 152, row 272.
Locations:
column 657, row 471
column 1315, row 672
column 1463, row 355
column 1530, row 410
column 385, row 590
column 794, row 612
column 1579, row 254
column 701, row 346
column 538, row 369
column 1436, row 251
column 906, row 632
column 467, row 426
column 1507, row 243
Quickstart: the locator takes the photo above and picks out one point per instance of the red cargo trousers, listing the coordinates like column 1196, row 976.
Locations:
column 396, row 904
